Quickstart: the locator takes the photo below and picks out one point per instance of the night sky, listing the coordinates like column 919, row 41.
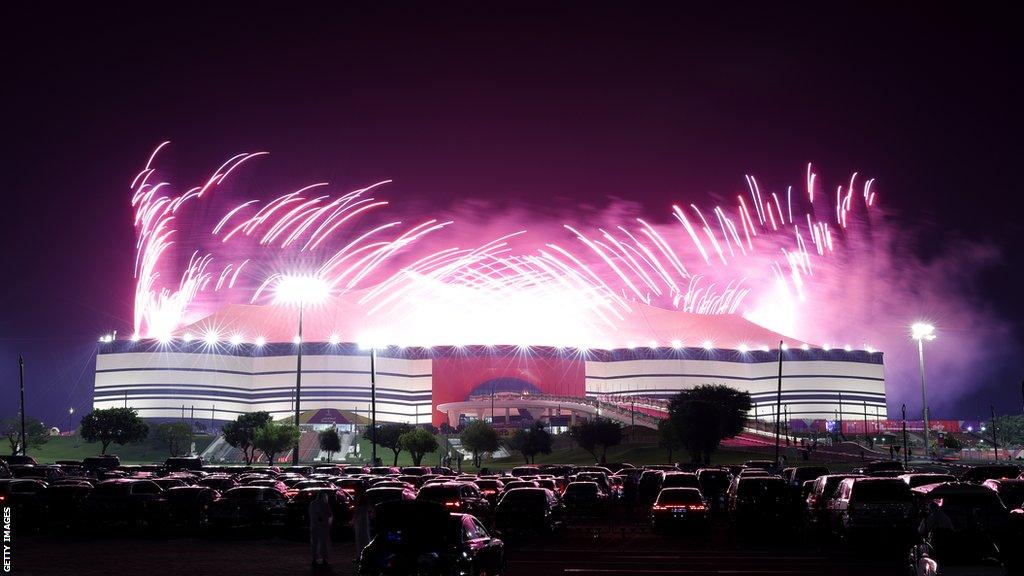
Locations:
column 515, row 104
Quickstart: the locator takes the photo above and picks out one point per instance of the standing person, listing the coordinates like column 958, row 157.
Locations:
column 320, row 527
column 361, row 522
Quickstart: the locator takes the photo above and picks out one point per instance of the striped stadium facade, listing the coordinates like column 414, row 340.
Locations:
column 221, row 381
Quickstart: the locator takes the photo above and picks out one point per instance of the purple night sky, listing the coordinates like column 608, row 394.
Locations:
column 522, row 109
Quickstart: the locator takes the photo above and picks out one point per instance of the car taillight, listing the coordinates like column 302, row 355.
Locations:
column 453, row 504
column 487, row 492
column 696, row 507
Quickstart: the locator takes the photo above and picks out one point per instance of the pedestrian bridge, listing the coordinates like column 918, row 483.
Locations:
column 543, row 407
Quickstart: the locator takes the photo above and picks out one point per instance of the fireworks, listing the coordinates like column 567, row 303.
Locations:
column 414, row 283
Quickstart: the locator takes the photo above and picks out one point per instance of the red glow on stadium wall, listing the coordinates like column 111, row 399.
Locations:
column 455, row 377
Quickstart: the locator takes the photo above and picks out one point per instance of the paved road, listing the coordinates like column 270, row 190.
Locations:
column 579, row 551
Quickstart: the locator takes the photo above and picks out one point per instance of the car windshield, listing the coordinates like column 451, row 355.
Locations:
column 183, row 494
column 439, row 493
column 1012, row 495
column 581, row 488
column 379, row 495
column 243, row 494
column 112, row 489
column 926, row 479
column 761, row 487
column 679, row 496
column 881, row 491
column 520, row 496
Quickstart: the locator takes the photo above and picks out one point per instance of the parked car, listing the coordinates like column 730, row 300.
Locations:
column 527, row 512
column 869, row 505
column 714, row 484
column 969, row 507
column 979, row 474
column 342, row 506
column 379, row 494
column 17, row 459
column 95, row 464
column 586, row 500
column 680, row 480
column 491, row 489
column 951, row 552
column 177, row 464
column 649, row 486
column 757, row 501
column 65, row 504
column 136, row 502
column 27, row 500
column 188, row 506
column 923, row 479
column 420, row 537
column 457, row 497
column 218, row 483
column 1011, row 492
column 252, row 506
column 816, row 516
column 680, row 508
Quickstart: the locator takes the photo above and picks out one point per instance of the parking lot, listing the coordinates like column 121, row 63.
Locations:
column 605, row 549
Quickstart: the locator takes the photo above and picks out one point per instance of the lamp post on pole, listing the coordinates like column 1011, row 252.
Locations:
column 906, row 458
column 70, row 412
column 921, row 331
column 778, row 407
column 373, row 403
column 299, row 291
column 995, row 445
column 21, row 387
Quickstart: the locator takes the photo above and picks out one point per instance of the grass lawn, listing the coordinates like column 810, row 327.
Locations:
column 565, row 452
column 75, row 448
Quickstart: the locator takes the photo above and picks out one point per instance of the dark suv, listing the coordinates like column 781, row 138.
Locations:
column 527, row 511
column 457, row 497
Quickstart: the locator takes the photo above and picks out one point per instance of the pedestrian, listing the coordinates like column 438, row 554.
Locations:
column 320, row 527
column 361, row 522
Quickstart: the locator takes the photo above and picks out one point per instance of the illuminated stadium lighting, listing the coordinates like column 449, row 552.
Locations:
column 235, row 339
column 370, row 340
column 870, row 349
column 743, row 348
column 652, row 344
column 260, row 341
column 211, row 338
column 848, row 348
column 301, row 290
column 677, row 344
column 708, row 345
column 785, row 346
column 296, row 340
column 631, row 345
column 805, row 346
column 136, row 337
column 164, row 339
column 764, row 348
column 334, row 339
column 187, row 337
column 922, row 331
column 826, row 347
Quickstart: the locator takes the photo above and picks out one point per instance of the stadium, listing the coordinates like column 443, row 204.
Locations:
column 243, row 358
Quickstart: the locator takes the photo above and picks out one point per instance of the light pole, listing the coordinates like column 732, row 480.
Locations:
column 299, row 291
column 373, row 403
column 922, row 331
column 70, row 412
column 906, row 457
column 21, row 385
column 778, row 408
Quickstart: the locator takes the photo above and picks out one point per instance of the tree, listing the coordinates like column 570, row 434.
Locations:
column 668, row 437
column 1009, row 430
column 418, row 442
column 242, row 432
column 387, row 435
column 478, row 437
column 597, row 434
column 705, row 415
column 176, row 435
column 949, row 441
column 273, row 438
column 36, row 433
column 330, row 442
column 119, row 425
column 529, row 443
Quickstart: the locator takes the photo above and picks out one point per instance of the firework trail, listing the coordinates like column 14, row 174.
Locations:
column 757, row 257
